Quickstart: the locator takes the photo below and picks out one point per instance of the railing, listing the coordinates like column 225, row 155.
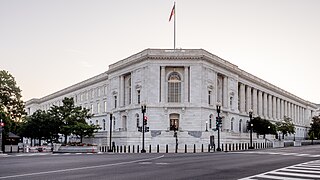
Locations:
column 185, row 148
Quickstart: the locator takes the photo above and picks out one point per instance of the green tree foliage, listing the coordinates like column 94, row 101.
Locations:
column 263, row 126
column 72, row 119
column 66, row 119
column 314, row 131
column 40, row 125
column 10, row 97
column 11, row 105
column 286, row 126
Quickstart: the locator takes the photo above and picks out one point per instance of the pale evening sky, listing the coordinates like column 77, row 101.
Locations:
column 48, row 45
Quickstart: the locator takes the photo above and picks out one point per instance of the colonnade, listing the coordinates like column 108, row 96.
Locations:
column 270, row 106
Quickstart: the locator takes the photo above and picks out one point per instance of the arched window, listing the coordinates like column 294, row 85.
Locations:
column 138, row 120
column 240, row 125
column 174, row 87
column 231, row 128
column 210, row 121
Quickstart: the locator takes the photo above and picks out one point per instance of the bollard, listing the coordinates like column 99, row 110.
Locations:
column 150, row 148
column 117, row 149
column 185, row 148
column 129, row 149
column 138, row 149
column 124, row 149
column 167, row 148
column 120, row 149
column 201, row 147
column 158, row 148
column 194, row 148
column 132, row 148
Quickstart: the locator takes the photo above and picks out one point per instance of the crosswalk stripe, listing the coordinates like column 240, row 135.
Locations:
column 301, row 171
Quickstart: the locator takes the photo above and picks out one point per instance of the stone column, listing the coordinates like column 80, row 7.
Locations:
column 290, row 110
column 285, row 108
column 270, row 106
column 225, row 92
column 274, row 107
column 163, row 84
column 248, row 98
column 298, row 114
column 242, row 98
column 186, row 84
column 254, row 101
column 282, row 109
column 121, row 94
column 260, row 110
column 294, row 113
column 265, row 105
column 278, row 108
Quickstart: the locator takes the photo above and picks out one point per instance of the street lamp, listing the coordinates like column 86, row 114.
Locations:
column 218, row 124
column 251, row 127
column 143, row 110
column 311, row 133
column 206, row 125
column 110, row 143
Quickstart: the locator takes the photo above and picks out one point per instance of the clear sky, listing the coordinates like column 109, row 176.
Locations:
column 49, row 45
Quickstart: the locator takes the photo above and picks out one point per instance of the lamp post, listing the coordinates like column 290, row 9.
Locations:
column 251, row 127
column 110, row 143
column 2, row 149
column 311, row 133
column 206, row 125
column 143, row 110
column 218, row 124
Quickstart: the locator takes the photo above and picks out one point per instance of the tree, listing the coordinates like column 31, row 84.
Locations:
column 10, row 97
column 11, row 105
column 286, row 126
column 263, row 126
column 314, row 131
column 40, row 125
column 71, row 118
column 83, row 129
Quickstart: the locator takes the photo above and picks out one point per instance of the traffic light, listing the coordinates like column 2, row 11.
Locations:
column 218, row 122
column 145, row 120
column 140, row 129
column 1, row 123
column 146, row 129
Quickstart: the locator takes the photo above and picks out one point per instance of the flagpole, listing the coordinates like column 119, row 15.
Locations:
column 174, row 27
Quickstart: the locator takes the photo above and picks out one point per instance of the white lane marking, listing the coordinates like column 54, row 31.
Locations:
column 162, row 163
column 81, row 168
column 283, row 173
column 145, row 163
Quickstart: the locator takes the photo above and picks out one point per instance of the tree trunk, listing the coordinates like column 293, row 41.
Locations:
column 81, row 138
column 65, row 138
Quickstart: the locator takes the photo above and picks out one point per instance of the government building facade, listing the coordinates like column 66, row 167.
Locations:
column 180, row 89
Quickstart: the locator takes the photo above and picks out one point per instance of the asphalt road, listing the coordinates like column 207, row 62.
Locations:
column 222, row 165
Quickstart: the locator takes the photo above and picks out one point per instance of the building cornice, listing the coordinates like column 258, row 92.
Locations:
column 70, row 89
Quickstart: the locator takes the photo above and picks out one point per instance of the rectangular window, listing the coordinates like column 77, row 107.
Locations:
column 91, row 109
column 105, row 106
column 138, row 92
column 98, row 108
column 99, row 92
column 209, row 97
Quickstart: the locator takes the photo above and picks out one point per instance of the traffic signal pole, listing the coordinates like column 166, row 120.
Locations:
column 143, row 109
column 218, row 124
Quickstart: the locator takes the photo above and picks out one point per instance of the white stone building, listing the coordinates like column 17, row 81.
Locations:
column 180, row 88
